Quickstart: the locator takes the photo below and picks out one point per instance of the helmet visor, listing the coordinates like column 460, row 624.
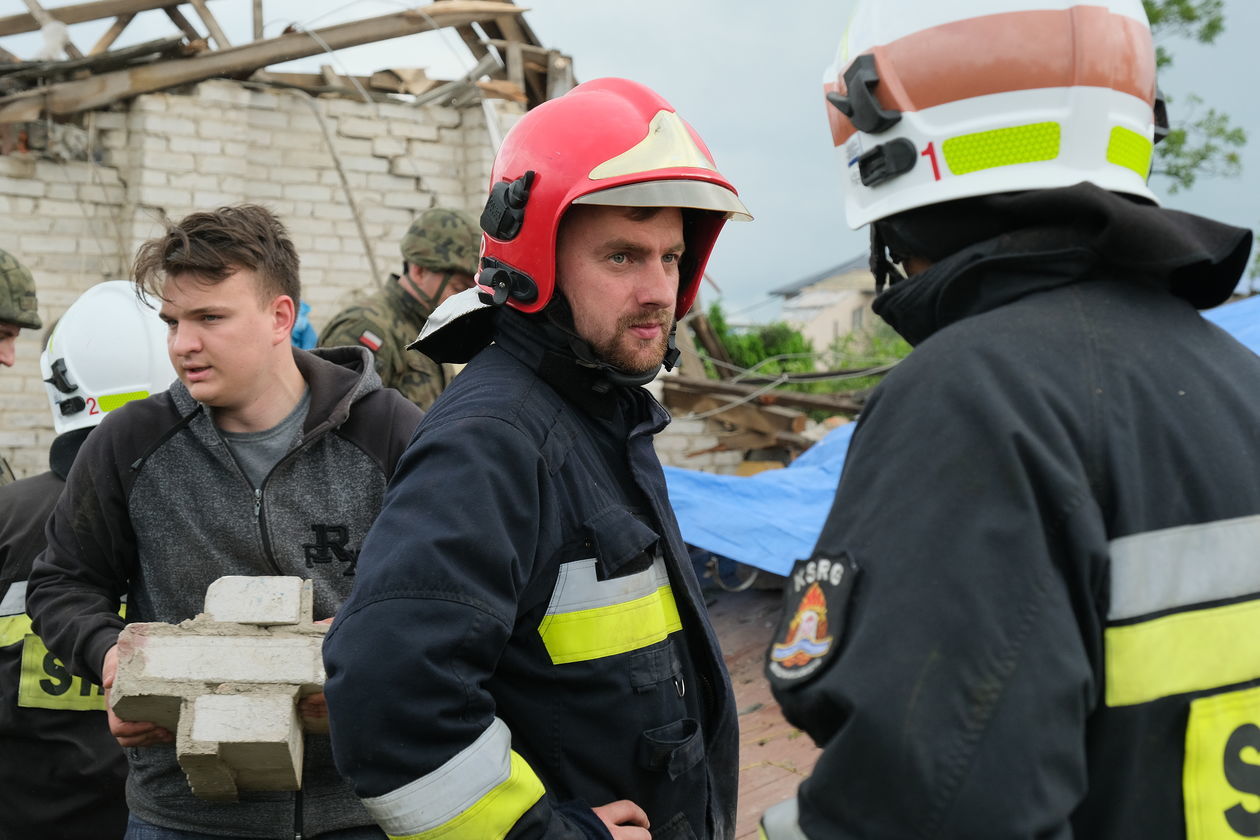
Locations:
column 698, row 195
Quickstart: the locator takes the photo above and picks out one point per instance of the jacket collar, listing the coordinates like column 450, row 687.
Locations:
column 414, row 312
column 1071, row 235
column 546, row 350
column 337, row 376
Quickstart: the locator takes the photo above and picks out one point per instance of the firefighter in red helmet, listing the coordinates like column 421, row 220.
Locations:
column 552, row 673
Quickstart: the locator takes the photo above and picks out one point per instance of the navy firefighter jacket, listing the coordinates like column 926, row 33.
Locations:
column 526, row 638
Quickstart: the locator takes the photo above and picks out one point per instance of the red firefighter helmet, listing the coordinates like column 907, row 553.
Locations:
column 606, row 142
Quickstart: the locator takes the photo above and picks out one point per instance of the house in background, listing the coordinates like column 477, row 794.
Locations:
column 831, row 304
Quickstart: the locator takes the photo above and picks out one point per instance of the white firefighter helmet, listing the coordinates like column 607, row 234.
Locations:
column 931, row 102
column 108, row 349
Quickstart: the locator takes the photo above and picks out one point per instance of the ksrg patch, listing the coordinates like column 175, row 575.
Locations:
column 816, row 600
column 370, row 340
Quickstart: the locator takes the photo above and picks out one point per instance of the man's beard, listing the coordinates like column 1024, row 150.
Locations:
column 634, row 355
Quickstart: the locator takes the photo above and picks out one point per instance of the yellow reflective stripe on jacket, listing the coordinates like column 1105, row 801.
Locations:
column 14, row 622
column 479, row 793
column 13, row 628
column 1187, row 651
column 588, row 618
column 493, row 816
column 607, row 631
column 1191, row 641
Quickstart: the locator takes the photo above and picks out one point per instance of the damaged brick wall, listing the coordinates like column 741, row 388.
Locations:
column 75, row 223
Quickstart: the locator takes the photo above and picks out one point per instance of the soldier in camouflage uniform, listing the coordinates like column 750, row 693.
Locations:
column 440, row 253
column 18, row 309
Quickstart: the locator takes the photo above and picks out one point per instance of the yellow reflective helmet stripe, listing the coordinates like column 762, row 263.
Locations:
column 1002, row 147
column 481, row 792
column 109, row 402
column 606, row 631
column 1131, row 150
column 494, row 814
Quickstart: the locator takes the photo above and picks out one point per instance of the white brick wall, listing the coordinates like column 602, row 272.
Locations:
column 78, row 223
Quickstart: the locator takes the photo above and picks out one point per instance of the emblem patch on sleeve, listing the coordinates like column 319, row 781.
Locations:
column 370, row 340
column 816, row 599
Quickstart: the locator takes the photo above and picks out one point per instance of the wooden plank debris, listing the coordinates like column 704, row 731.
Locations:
column 43, row 18
column 848, row 404
column 98, row 90
column 212, row 25
column 111, row 35
column 177, row 18
column 80, row 12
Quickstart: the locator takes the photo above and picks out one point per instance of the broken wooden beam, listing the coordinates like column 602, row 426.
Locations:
column 43, row 19
column 100, row 90
column 111, row 35
column 835, row 403
column 80, row 12
column 212, row 25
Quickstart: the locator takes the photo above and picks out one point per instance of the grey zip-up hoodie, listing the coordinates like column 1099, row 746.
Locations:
column 156, row 508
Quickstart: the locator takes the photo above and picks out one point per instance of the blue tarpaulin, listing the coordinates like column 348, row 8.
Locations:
column 772, row 519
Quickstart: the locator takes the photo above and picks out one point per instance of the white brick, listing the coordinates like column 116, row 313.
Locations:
column 307, row 192
column 388, row 147
column 434, row 151
column 263, row 600
column 63, row 191
column 268, row 119
column 170, row 126
column 409, row 166
column 107, row 120
column 444, row 117
column 257, row 735
column 207, row 199
column 196, row 145
column 219, row 165
column 169, row 161
column 229, row 93
column 360, row 127
column 406, row 199
column 350, row 146
column 362, row 163
column 165, row 197
column 101, row 194
column 439, row 184
column 21, row 186
column 153, row 102
column 413, row 130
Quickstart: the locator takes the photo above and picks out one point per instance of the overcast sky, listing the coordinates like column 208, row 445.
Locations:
column 748, row 77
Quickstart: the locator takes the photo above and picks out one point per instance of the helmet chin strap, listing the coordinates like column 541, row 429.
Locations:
column 431, row 301
column 559, row 317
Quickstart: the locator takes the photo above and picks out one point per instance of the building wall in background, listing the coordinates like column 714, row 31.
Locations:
column 75, row 223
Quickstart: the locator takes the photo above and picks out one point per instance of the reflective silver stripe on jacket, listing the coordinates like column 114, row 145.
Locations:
column 14, row 600
column 448, row 791
column 1178, row 567
column 579, row 588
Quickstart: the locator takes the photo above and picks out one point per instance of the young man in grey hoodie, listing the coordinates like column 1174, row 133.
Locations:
column 261, row 460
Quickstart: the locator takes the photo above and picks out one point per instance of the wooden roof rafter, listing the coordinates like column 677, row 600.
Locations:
column 62, row 98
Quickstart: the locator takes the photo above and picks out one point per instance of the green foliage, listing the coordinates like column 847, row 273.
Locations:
column 769, row 349
column 1202, row 140
column 880, row 346
column 1202, row 20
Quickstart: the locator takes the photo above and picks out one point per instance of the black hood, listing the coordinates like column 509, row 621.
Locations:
column 1041, row 239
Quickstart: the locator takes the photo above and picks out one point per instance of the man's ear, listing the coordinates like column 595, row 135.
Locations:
column 283, row 315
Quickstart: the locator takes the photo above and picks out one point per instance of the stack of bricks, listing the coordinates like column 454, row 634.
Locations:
column 227, row 684
column 77, row 223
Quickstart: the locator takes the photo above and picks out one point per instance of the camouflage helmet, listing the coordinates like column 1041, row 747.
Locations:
column 17, row 294
column 443, row 240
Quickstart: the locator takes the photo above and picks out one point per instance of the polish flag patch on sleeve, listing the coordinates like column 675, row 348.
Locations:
column 370, row 340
